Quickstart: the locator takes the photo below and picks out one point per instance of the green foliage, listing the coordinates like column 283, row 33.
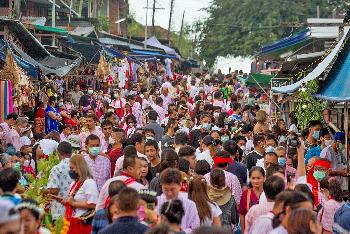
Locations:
column 103, row 23
column 308, row 107
column 239, row 28
column 37, row 185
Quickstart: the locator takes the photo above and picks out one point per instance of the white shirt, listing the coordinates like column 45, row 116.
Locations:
column 205, row 155
column 87, row 192
column 279, row 230
column 215, row 212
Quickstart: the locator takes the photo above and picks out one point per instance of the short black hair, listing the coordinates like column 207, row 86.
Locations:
column 152, row 115
column 129, row 162
column 159, row 100
column 231, row 147
column 92, row 137
column 235, row 106
column 115, row 187
column 106, row 123
column 202, row 167
column 273, row 185
column 9, row 178
column 258, row 137
column 152, row 143
column 13, row 116
column 180, row 138
column 151, row 130
column 186, row 150
column 108, row 114
column 130, row 151
column 314, row 123
column 136, row 138
column 173, row 210
column 64, row 148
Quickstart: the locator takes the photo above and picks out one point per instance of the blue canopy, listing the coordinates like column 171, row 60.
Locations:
column 286, row 42
column 337, row 84
column 152, row 53
column 316, row 72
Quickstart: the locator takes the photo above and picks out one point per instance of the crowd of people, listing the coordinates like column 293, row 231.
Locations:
column 199, row 154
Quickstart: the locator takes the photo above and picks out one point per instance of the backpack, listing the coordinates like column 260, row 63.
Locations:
column 229, row 214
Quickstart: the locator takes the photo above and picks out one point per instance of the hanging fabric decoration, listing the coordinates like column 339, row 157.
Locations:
column 6, row 105
column 11, row 70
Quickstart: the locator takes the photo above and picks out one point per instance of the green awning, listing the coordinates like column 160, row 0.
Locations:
column 51, row 29
column 261, row 79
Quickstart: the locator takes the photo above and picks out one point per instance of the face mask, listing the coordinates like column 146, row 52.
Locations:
column 94, row 151
column 26, row 163
column 60, row 104
column 131, row 125
column 206, row 126
column 17, row 166
column 149, row 138
column 111, row 140
column 341, row 147
column 224, row 138
column 217, row 142
column 73, row 175
column 328, row 142
column 316, row 135
column 116, row 95
column 216, row 115
column 243, row 147
column 209, row 98
column 319, row 175
column 270, row 149
column 281, row 161
column 90, row 91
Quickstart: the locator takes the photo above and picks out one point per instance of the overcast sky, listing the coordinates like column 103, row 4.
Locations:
column 192, row 8
column 193, row 12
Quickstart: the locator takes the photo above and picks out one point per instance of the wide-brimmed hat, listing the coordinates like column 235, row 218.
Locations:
column 220, row 196
column 73, row 140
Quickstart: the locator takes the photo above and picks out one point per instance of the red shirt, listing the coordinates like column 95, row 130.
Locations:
column 113, row 155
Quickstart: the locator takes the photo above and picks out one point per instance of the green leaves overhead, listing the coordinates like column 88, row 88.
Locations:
column 240, row 27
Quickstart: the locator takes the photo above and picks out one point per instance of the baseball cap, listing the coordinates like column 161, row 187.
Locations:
column 8, row 212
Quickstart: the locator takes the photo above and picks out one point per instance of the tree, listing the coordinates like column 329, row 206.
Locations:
column 239, row 28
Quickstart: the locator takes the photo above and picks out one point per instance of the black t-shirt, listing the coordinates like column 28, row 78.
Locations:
column 87, row 100
column 240, row 170
column 154, row 171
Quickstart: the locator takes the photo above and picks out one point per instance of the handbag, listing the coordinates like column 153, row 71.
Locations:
column 88, row 216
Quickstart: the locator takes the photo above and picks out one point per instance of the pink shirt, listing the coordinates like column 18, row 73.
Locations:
column 326, row 214
column 255, row 211
column 137, row 112
column 6, row 131
column 232, row 182
column 161, row 112
column 100, row 168
column 104, row 191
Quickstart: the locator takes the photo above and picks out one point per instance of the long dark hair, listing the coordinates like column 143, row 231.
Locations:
column 197, row 192
column 169, row 159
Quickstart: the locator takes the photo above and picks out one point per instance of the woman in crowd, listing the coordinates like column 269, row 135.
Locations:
column 209, row 212
column 52, row 116
column 144, row 172
column 202, row 167
column 31, row 216
column 82, row 196
column 251, row 196
column 326, row 214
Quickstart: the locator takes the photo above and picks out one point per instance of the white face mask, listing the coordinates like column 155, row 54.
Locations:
column 328, row 142
column 242, row 147
column 111, row 140
column 26, row 163
column 216, row 114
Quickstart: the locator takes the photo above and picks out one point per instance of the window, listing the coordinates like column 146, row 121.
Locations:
column 4, row 3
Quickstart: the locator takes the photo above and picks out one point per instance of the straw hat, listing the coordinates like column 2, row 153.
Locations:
column 220, row 196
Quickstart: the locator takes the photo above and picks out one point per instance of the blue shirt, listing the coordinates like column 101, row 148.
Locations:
column 51, row 124
column 125, row 225
column 312, row 152
column 100, row 221
column 12, row 198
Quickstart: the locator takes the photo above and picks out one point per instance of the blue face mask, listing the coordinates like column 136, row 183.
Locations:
column 316, row 135
column 270, row 149
column 206, row 126
column 282, row 161
column 94, row 151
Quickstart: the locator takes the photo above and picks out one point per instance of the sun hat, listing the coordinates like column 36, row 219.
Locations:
column 74, row 140
column 220, row 196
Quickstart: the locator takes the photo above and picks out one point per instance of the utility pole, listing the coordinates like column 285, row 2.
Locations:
column 170, row 18
column 146, row 24
column 154, row 12
column 181, row 30
column 53, row 21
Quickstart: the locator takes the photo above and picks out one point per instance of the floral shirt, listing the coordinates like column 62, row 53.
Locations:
column 59, row 178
